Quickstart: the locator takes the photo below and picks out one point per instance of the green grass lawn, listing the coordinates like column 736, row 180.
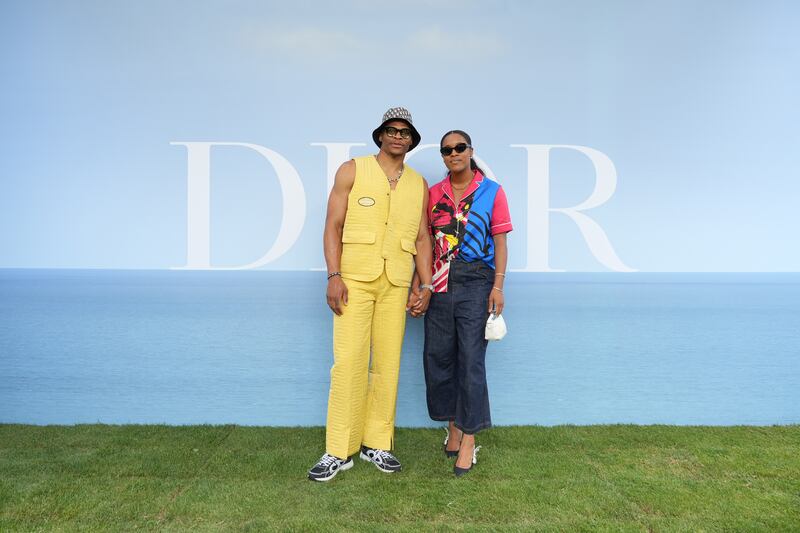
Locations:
column 566, row 478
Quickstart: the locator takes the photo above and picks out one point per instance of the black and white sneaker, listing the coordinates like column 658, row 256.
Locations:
column 327, row 467
column 383, row 460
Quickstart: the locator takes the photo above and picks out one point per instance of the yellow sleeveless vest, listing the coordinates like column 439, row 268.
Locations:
column 381, row 225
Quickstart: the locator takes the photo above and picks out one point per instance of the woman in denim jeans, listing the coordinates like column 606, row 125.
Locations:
column 469, row 221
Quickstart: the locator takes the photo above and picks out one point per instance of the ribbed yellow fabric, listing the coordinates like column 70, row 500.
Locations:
column 378, row 244
column 381, row 225
column 363, row 396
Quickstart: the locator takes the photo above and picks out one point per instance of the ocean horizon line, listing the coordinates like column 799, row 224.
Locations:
column 310, row 277
column 319, row 269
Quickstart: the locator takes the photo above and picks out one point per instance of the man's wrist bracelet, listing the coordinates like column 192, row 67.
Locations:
column 334, row 274
column 426, row 286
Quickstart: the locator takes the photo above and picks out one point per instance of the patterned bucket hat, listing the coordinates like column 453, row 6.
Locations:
column 397, row 113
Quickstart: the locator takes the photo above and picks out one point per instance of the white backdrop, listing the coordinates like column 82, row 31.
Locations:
column 657, row 136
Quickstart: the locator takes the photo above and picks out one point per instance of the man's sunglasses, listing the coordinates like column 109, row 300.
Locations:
column 405, row 133
column 460, row 148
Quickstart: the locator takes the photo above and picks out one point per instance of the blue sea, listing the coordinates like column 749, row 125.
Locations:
column 253, row 348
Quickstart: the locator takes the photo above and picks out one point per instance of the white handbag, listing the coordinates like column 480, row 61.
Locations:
column 495, row 328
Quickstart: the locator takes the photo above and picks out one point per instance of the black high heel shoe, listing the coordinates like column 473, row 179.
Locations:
column 448, row 453
column 461, row 471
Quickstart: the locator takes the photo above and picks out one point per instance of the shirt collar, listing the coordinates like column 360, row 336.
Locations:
column 477, row 178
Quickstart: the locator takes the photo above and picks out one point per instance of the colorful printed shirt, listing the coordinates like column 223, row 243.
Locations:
column 465, row 231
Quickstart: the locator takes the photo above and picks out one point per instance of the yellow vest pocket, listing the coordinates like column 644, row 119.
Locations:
column 408, row 246
column 358, row 237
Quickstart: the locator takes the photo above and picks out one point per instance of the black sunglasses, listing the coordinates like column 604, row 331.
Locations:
column 460, row 148
column 404, row 133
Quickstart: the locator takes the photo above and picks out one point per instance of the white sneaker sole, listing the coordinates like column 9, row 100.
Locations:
column 379, row 467
column 345, row 466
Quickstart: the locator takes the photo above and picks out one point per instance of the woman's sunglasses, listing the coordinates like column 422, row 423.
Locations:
column 460, row 148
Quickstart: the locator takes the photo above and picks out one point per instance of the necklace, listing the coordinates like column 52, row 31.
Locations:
column 399, row 173
column 459, row 188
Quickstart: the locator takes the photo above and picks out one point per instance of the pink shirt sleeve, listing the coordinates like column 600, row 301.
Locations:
column 501, row 218
column 433, row 197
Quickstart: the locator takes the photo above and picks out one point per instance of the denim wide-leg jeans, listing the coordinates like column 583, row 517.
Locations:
column 455, row 348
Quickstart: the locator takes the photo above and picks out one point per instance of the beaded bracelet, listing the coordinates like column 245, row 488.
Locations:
column 334, row 274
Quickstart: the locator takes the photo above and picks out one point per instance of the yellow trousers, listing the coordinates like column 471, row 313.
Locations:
column 363, row 396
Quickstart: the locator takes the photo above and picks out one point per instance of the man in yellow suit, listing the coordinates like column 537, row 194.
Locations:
column 376, row 233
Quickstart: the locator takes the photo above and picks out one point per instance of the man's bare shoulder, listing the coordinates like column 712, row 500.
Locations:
column 345, row 176
column 348, row 166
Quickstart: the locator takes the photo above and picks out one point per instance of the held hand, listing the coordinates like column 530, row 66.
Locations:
column 336, row 295
column 422, row 303
column 496, row 302
column 413, row 297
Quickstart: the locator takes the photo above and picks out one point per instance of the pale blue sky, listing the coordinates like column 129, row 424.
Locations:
column 694, row 102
